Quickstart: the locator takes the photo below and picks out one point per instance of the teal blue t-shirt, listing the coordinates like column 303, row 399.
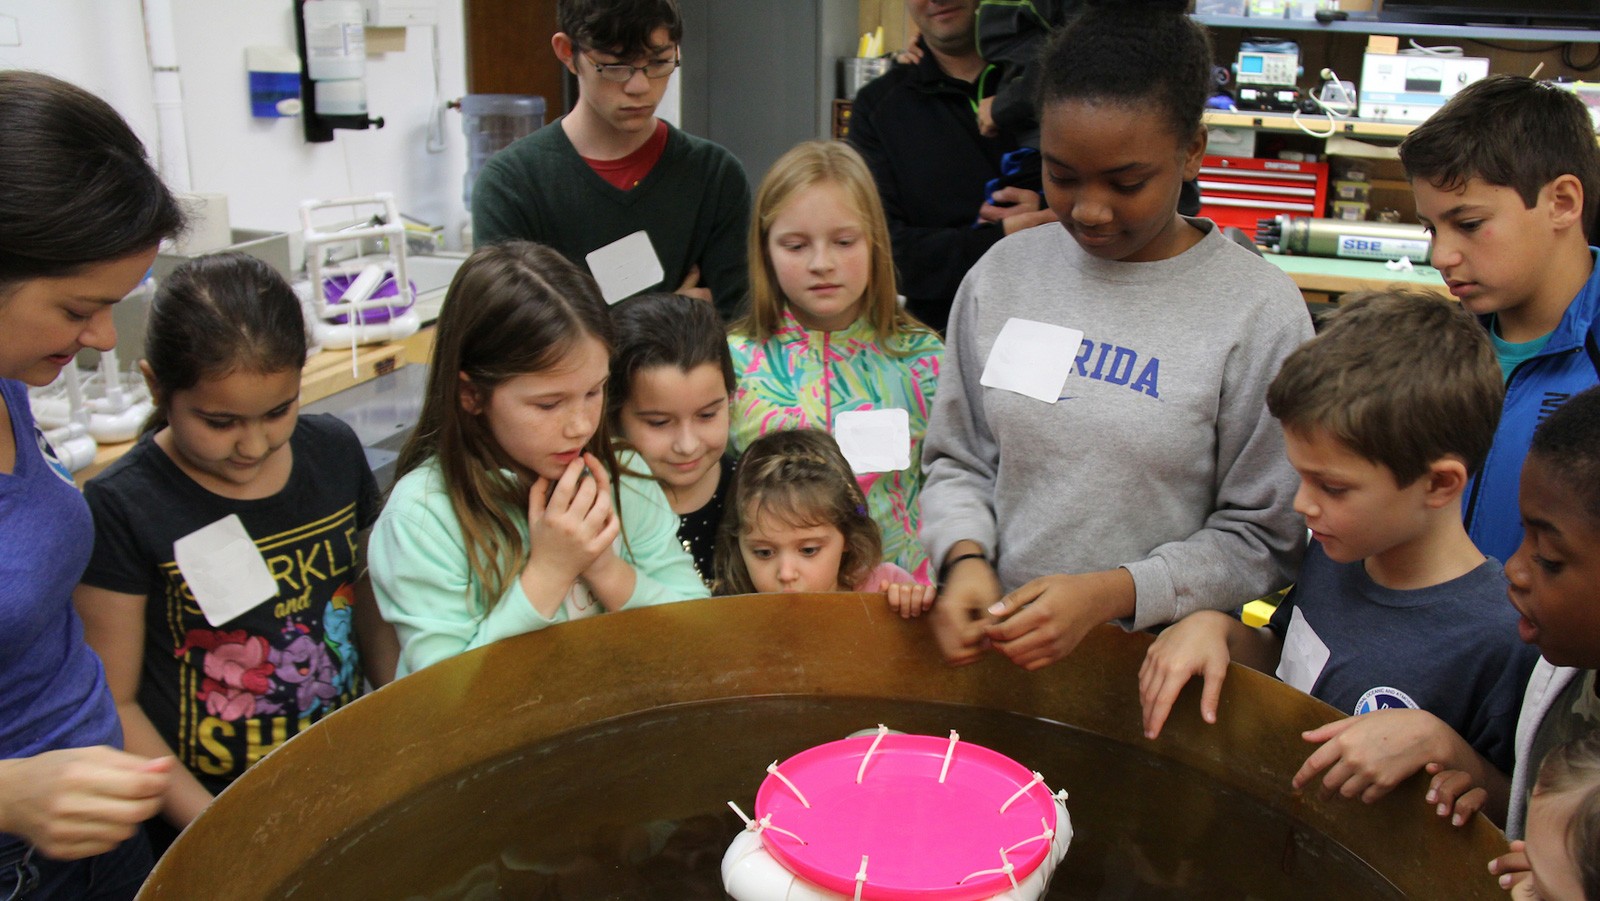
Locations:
column 1511, row 354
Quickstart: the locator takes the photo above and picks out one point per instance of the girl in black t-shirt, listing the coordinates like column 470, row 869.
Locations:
column 671, row 378
column 223, row 590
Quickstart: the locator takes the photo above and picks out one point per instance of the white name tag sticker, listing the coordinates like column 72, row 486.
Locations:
column 1304, row 654
column 874, row 440
column 1032, row 359
column 224, row 569
column 625, row 266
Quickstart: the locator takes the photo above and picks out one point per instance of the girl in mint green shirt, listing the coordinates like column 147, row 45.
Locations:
column 511, row 511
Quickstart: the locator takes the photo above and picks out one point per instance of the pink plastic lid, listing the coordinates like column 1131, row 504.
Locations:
column 921, row 838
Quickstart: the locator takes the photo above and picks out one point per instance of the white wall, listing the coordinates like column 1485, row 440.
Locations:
column 264, row 166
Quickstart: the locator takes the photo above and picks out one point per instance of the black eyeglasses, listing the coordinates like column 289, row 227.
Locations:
column 621, row 73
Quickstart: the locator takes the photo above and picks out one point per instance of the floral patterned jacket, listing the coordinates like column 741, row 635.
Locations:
column 802, row 379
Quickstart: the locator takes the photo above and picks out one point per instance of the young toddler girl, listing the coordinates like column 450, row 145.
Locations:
column 1560, row 858
column 825, row 335
column 508, row 514
column 796, row 520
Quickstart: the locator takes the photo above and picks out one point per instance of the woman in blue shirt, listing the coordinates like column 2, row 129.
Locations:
column 81, row 214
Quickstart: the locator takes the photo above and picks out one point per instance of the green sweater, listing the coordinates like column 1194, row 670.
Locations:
column 425, row 587
column 695, row 204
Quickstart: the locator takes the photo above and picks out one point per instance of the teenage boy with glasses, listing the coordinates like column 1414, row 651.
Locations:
column 610, row 167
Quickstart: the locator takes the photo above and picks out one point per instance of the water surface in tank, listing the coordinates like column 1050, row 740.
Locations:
column 634, row 808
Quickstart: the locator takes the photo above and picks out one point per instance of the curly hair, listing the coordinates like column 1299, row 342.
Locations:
column 1575, row 768
column 802, row 478
column 1569, row 442
column 1144, row 53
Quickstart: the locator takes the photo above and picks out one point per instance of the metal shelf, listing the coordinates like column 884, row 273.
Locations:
column 1369, row 25
column 1284, row 122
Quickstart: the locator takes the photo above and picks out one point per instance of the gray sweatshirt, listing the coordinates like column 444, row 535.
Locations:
column 1160, row 456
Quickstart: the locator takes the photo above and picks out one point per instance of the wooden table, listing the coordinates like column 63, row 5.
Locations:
column 326, row 373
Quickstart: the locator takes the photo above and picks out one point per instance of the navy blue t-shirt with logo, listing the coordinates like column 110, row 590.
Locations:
column 1449, row 649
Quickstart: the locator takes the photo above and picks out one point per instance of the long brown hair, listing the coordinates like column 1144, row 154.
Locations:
column 806, row 165
column 801, row 477
column 512, row 309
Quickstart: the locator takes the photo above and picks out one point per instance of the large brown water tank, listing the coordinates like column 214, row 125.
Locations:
column 594, row 760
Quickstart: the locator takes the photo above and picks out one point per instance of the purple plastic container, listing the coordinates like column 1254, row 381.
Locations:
column 334, row 286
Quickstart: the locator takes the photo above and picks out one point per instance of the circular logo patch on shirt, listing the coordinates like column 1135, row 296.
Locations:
column 1384, row 698
column 50, row 458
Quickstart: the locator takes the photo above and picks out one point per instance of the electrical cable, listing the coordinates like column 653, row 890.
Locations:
column 1568, row 59
column 1444, row 50
column 1510, row 49
column 1335, row 110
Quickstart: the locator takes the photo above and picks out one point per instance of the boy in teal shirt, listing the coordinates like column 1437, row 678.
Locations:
column 1507, row 178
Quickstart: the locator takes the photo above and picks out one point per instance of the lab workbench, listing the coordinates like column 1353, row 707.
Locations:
column 325, row 374
column 330, row 372
column 1326, row 276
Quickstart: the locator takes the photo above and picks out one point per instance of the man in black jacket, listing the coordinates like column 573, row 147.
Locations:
column 917, row 128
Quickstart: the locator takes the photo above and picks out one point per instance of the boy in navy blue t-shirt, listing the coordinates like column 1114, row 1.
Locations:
column 1396, row 619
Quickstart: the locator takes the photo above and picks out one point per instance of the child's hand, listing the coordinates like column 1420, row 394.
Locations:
column 1195, row 645
column 913, row 52
column 1512, row 871
column 958, row 618
column 691, row 286
column 1366, row 756
column 1455, row 794
column 573, row 526
column 986, row 118
column 910, row 599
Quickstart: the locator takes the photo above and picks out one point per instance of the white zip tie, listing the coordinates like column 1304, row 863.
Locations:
column 763, row 824
column 773, row 769
column 1037, row 778
column 1061, row 796
column 861, row 877
column 861, row 770
column 1006, row 867
column 949, row 752
column 766, row 823
column 1045, row 836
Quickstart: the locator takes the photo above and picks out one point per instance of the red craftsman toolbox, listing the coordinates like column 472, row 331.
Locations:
column 1240, row 190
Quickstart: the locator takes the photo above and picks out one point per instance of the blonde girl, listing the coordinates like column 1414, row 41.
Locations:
column 507, row 515
column 825, row 336
column 796, row 520
column 217, row 680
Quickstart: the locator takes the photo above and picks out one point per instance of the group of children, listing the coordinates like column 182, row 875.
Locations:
column 572, row 459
